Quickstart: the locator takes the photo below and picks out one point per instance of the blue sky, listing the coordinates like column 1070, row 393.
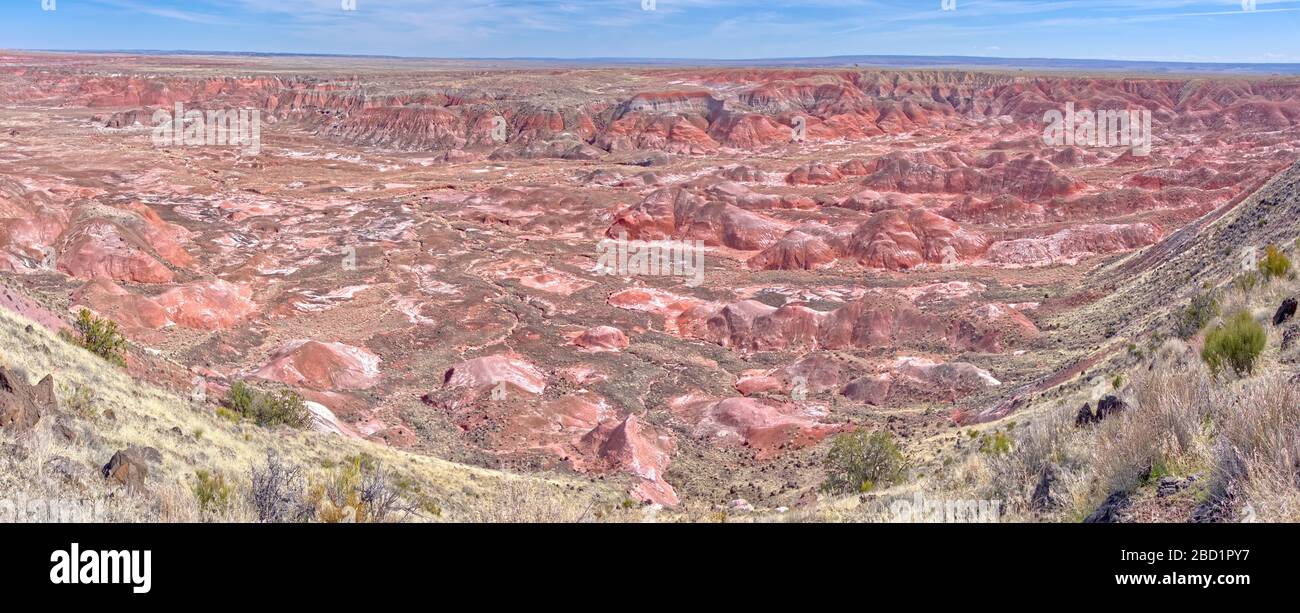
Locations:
column 1166, row 30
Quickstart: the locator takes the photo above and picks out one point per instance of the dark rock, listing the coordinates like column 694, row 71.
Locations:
column 1110, row 512
column 1045, row 496
column 127, row 468
column 1169, row 486
column 1110, row 405
column 1289, row 337
column 1284, row 312
column 1085, row 416
column 1211, row 512
column 21, row 405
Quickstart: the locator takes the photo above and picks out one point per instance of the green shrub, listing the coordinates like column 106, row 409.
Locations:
column 861, row 461
column 1274, row 264
column 211, row 491
column 268, row 409
column 100, row 337
column 1203, row 309
column 1234, row 344
column 997, row 443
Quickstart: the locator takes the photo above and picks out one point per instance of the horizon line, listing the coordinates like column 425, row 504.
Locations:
column 788, row 59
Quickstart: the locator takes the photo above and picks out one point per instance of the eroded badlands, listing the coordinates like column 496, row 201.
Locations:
column 414, row 246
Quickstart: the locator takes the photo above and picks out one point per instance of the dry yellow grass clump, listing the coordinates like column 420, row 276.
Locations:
column 204, row 473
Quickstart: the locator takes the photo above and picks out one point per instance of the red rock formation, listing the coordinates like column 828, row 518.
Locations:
column 1074, row 242
column 637, row 449
column 208, row 305
column 765, row 427
column 905, row 239
column 322, row 366
column 807, row 247
column 102, row 248
column 485, row 373
column 602, row 338
column 130, row 311
column 678, row 213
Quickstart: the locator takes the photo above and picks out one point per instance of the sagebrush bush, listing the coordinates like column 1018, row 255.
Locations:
column 99, row 336
column 861, row 461
column 359, row 490
column 268, row 409
column 1192, row 319
column 279, row 492
column 1274, row 264
column 1235, row 344
column 211, row 491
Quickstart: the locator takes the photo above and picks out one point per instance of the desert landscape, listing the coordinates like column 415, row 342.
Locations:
column 453, row 268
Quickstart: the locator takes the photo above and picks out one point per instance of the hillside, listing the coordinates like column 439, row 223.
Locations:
column 102, row 410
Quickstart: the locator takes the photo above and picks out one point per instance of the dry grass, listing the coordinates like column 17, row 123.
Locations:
column 1241, row 435
column 192, row 437
column 1259, row 446
column 1163, row 433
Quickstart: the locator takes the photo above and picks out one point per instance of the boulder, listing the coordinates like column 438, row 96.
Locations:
column 21, row 405
column 127, row 467
column 740, row 505
column 1285, row 312
column 1112, row 511
column 1110, row 405
column 1085, row 416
